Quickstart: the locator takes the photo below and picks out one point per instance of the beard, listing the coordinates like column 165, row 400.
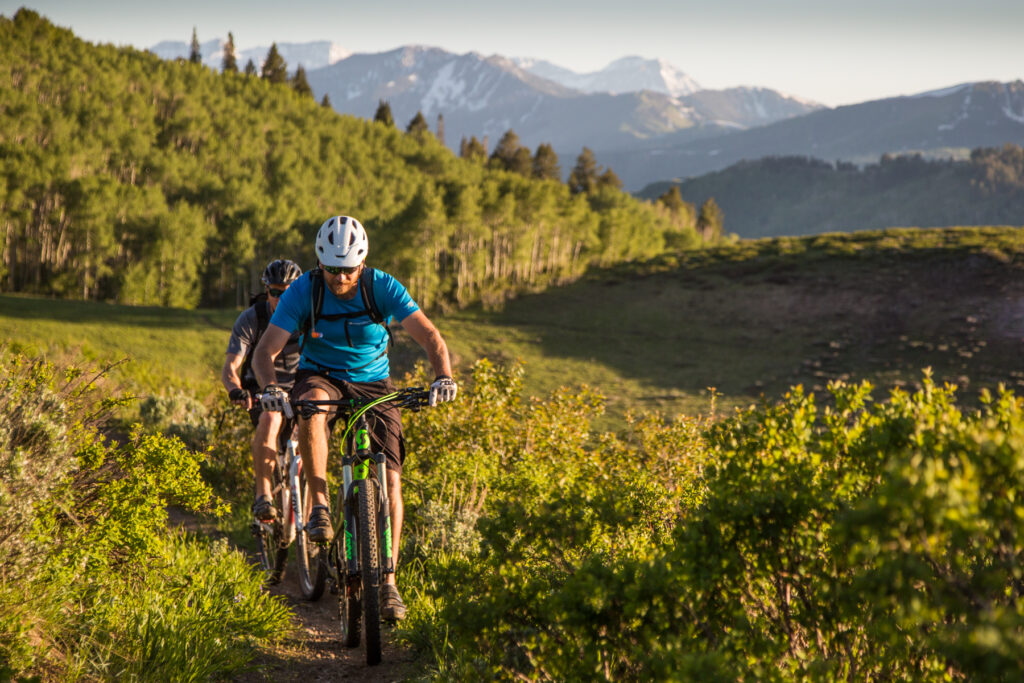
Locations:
column 342, row 289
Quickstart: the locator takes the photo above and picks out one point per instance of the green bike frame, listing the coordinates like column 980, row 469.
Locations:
column 355, row 468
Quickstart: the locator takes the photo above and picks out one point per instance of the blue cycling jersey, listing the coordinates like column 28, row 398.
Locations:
column 354, row 348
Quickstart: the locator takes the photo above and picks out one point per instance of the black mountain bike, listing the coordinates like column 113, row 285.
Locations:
column 290, row 493
column 360, row 555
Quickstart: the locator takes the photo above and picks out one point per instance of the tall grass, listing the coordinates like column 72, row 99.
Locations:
column 92, row 583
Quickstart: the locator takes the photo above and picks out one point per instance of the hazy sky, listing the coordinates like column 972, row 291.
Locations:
column 825, row 50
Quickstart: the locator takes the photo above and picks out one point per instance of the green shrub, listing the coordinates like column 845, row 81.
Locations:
column 91, row 582
column 852, row 540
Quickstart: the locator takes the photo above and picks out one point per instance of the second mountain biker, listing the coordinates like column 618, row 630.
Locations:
column 239, row 378
column 343, row 308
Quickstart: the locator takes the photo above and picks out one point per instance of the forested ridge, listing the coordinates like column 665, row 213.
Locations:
column 144, row 181
column 803, row 196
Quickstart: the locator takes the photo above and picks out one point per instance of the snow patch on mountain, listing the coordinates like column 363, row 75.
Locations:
column 628, row 74
column 445, row 90
column 962, row 116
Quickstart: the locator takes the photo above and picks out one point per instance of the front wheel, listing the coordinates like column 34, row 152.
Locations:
column 350, row 606
column 369, row 564
column 310, row 556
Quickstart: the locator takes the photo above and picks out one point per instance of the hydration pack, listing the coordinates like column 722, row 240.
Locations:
column 370, row 309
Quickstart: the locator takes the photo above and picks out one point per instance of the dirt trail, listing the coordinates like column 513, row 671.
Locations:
column 314, row 652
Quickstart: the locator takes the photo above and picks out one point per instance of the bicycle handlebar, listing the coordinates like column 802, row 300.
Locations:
column 410, row 398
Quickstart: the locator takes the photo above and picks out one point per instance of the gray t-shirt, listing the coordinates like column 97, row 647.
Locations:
column 244, row 337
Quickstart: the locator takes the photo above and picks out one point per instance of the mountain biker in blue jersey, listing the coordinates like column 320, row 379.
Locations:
column 344, row 355
column 239, row 379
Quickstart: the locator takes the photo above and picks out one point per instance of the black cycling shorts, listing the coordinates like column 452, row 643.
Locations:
column 385, row 423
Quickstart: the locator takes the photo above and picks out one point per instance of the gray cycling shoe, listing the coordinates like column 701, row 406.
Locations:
column 392, row 607
column 318, row 528
column 263, row 509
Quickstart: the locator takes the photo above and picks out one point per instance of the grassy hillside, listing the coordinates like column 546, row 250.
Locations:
column 165, row 349
column 763, row 315
column 749, row 319
column 804, row 196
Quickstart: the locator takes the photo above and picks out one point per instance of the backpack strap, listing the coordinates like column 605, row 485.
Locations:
column 262, row 317
column 316, row 304
column 369, row 299
column 370, row 302
column 262, row 308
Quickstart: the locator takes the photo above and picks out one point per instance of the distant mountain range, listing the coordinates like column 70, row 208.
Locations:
column 631, row 101
column 941, row 123
column 644, row 118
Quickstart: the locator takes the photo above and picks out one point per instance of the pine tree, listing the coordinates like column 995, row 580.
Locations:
column 383, row 114
column 300, row 84
column 250, row 68
column 509, row 155
column 230, row 61
column 440, row 128
column 545, row 163
column 609, row 179
column 275, row 69
column 326, row 102
column 710, row 221
column 195, row 55
column 418, row 126
column 473, row 150
column 583, row 178
column 672, row 200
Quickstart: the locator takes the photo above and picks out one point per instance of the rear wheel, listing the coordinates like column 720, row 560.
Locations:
column 369, row 564
column 310, row 556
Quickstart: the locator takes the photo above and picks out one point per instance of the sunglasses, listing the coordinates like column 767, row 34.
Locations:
column 276, row 293
column 340, row 270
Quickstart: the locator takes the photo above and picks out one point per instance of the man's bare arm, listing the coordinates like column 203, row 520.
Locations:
column 271, row 343
column 229, row 373
column 230, row 378
column 426, row 335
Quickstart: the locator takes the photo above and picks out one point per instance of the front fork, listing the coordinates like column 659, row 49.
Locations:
column 295, row 524
column 356, row 468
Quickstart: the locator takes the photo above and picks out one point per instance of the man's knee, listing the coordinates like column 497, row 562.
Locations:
column 316, row 421
column 266, row 429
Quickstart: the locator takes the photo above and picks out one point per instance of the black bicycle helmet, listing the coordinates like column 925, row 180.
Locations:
column 281, row 272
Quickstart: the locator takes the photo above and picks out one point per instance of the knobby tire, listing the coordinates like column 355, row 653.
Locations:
column 272, row 550
column 369, row 563
column 310, row 556
column 350, row 609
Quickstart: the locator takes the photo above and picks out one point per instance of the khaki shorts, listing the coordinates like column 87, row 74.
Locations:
column 385, row 422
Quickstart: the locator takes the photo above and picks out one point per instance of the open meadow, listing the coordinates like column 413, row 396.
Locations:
column 747, row 320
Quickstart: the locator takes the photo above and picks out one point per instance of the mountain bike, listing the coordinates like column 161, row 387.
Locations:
column 290, row 494
column 359, row 557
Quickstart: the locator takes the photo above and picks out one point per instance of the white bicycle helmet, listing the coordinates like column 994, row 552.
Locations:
column 342, row 242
